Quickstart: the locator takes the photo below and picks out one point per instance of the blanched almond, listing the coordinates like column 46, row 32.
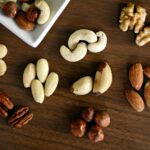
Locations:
column 3, row 67
column 147, row 93
column 3, row 51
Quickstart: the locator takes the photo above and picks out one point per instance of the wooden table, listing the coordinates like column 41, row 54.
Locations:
column 49, row 129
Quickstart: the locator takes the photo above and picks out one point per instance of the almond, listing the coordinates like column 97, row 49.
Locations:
column 147, row 71
column 147, row 93
column 136, row 76
column 135, row 100
column 3, row 51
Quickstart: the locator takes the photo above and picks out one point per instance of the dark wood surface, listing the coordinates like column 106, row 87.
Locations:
column 49, row 129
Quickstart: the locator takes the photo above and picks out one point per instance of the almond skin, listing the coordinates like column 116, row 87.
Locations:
column 136, row 76
column 147, row 93
column 135, row 100
column 147, row 71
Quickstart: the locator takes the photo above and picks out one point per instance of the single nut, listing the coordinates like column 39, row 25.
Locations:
column 135, row 100
column 136, row 76
column 147, row 93
column 75, row 55
column 44, row 8
column 23, row 23
column 32, row 14
column 100, row 45
column 3, row 51
column 81, row 35
column 102, row 119
column 78, row 128
column 20, row 117
column 25, row 7
column 88, row 114
column 42, row 69
column 82, row 86
column 51, row 84
column 10, row 9
column 103, row 79
column 37, row 90
column 6, row 105
column 96, row 134
column 147, row 71
column 3, row 67
column 29, row 75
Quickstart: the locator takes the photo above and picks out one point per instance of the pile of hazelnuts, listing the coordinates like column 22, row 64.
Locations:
column 92, row 122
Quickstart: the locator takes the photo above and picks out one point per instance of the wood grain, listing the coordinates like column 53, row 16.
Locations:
column 50, row 127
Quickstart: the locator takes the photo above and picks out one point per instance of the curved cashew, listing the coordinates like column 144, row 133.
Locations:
column 81, row 35
column 73, row 56
column 45, row 11
column 25, row 7
column 100, row 45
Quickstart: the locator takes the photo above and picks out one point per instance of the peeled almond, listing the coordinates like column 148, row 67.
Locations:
column 3, row 51
column 42, row 69
column 37, row 90
column 28, row 75
column 51, row 84
column 103, row 79
column 147, row 93
column 82, row 86
column 3, row 67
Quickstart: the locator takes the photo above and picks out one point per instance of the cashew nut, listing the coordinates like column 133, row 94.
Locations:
column 103, row 79
column 25, row 7
column 45, row 11
column 3, row 51
column 73, row 56
column 100, row 45
column 81, row 35
column 82, row 86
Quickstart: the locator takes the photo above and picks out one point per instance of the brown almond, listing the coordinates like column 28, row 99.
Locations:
column 135, row 100
column 147, row 71
column 136, row 76
column 147, row 93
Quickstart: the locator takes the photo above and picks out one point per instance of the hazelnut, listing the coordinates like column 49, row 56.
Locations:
column 10, row 9
column 102, row 119
column 32, row 14
column 78, row 128
column 96, row 134
column 88, row 114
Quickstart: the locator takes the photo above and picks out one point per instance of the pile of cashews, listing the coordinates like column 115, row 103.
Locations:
column 78, row 46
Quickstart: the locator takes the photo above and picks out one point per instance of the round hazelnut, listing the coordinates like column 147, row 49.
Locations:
column 88, row 114
column 78, row 128
column 32, row 14
column 102, row 119
column 96, row 134
column 10, row 9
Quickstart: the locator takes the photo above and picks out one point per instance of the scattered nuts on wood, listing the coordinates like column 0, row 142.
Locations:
column 78, row 128
column 3, row 51
column 103, row 79
column 147, row 71
column 82, row 86
column 6, row 105
column 88, row 114
column 96, row 134
column 37, row 91
column 136, row 76
column 20, row 117
column 102, row 119
column 42, row 69
column 51, row 84
column 100, row 45
column 147, row 93
column 135, row 100
column 3, row 67
column 29, row 75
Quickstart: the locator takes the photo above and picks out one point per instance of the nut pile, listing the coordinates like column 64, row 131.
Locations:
column 78, row 46
column 42, row 71
column 92, row 122
column 16, row 117
column 30, row 14
column 102, row 82
column 3, row 53
column 136, row 78
column 134, row 17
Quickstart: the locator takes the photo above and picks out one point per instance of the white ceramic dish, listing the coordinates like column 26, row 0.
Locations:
column 35, row 37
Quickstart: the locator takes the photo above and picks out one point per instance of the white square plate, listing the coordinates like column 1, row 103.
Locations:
column 35, row 37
